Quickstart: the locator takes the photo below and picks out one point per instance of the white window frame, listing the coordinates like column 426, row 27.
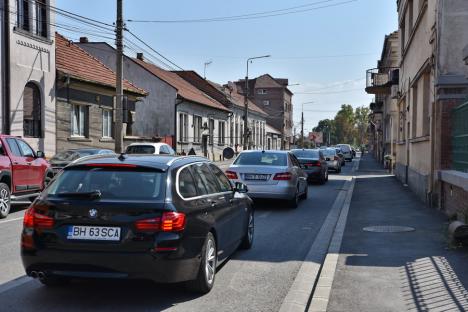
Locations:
column 221, row 132
column 266, row 102
column 262, row 91
column 183, row 127
column 78, row 127
column 107, row 123
column 197, row 128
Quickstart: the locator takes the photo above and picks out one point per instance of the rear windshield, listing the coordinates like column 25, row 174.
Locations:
column 262, row 159
column 306, row 153
column 111, row 183
column 345, row 148
column 329, row 152
column 140, row 149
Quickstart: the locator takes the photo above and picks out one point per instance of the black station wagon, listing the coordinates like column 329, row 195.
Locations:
column 164, row 218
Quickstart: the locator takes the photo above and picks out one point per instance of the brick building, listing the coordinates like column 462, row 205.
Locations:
column 85, row 91
column 273, row 96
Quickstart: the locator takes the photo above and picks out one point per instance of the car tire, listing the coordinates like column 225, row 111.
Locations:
column 54, row 281
column 247, row 241
column 338, row 170
column 343, row 164
column 306, row 193
column 326, row 176
column 5, row 200
column 207, row 271
column 322, row 179
column 294, row 202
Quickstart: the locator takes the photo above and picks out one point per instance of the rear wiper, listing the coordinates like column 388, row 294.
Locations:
column 91, row 195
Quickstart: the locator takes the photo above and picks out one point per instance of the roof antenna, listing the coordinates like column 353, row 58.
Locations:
column 122, row 156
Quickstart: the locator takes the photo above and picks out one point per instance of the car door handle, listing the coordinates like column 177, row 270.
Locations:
column 213, row 203
column 15, row 163
column 29, row 163
column 231, row 200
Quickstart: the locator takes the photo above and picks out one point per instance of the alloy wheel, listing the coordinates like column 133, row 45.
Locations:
column 4, row 201
column 210, row 261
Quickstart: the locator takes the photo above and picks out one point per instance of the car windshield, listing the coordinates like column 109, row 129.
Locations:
column 329, row 152
column 110, row 183
column 140, row 149
column 261, row 159
column 306, row 153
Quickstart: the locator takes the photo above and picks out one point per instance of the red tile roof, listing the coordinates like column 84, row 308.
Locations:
column 184, row 88
column 79, row 64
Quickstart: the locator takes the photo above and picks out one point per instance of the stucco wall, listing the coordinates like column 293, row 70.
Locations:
column 154, row 115
column 191, row 109
column 33, row 60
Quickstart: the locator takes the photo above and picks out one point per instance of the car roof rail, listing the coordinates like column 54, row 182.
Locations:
column 201, row 158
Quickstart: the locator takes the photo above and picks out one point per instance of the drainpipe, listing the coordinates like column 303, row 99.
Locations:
column 177, row 102
column 6, row 65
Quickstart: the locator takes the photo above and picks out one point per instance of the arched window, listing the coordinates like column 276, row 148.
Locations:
column 32, row 124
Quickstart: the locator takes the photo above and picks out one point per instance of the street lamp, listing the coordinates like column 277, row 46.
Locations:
column 246, row 102
column 302, row 122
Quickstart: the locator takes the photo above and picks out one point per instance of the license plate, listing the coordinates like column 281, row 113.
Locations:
column 262, row 177
column 105, row 233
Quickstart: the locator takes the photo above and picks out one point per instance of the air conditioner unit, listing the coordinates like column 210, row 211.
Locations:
column 394, row 92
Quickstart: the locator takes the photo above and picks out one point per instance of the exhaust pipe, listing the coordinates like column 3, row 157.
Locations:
column 33, row 274
column 41, row 275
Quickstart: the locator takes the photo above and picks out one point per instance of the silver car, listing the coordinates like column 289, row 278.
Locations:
column 346, row 150
column 332, row 158
column 270, row 175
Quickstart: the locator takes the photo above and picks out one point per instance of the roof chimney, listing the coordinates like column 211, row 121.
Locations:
column 140, row 56
column 84, row 40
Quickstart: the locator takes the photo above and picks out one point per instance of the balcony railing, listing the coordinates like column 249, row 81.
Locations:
column 379, row 80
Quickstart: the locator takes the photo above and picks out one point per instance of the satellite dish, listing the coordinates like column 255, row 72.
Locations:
column 228, row 153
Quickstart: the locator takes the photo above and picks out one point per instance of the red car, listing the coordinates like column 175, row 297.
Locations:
column 23, row 172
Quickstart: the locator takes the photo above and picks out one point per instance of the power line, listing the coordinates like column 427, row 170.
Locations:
column 248, row 16
column 333, row 92
column 149, row 47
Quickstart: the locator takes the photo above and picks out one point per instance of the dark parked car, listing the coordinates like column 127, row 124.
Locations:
column 314, row 164
column 161, row 218
column 61, row 159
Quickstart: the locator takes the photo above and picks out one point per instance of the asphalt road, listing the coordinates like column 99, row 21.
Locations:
column 253, row 280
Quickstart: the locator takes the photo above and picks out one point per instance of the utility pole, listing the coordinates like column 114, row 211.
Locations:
column 118, row 124
column 302, row 127
column 246, row 102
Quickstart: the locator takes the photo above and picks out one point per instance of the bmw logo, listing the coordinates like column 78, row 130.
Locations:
column 92, row 213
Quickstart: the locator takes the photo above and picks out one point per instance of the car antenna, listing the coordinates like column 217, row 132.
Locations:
column 122, row 156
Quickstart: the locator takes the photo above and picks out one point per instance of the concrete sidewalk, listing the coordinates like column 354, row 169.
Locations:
column 415, row 270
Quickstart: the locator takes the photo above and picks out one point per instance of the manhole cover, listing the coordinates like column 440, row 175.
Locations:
column 388, row 229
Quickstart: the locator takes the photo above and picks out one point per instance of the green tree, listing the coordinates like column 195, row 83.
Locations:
column 345, row 125
column 361, row 116
column 327, row 127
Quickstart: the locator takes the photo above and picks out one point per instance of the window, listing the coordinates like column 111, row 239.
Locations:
column 32, row 123
column 166, row 150
column 410, row 15
column 261, row 159
column 426, row 102
column 197, row 125
column 266, row 103
column 26, row 151
column 107, row 123
column 79, row 120
column 41, row 18
column 225, row 185
column 221, row 132
column 211, row 129
column 262, row 91
column 208, row 178
column 183, row 127
column 186, row 184
column 14, row 147
column 23, row 14
column 141, row 149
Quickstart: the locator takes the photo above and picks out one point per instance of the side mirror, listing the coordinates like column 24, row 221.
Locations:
column 40, row 154
column 240, row 188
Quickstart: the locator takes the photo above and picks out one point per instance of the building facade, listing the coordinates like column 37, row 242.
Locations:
column 28, row 72
column 148, row 121
column 85, row 93
column 383, row 83
column 273, row 96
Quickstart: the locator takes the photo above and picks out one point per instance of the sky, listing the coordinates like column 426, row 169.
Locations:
column 326, row 50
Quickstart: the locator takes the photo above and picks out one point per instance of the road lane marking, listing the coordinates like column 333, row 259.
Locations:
column 14, row 283
column 10, row 220
column 297, row 298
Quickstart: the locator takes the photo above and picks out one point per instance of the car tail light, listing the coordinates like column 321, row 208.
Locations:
column 168, row 222
column 34, row 219
column 313, row 164
column 173, row 222
column 231, row 175
column 148, row 225
column 284, row 176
